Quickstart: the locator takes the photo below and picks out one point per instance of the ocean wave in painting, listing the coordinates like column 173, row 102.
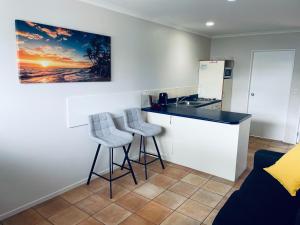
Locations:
column 53, row 75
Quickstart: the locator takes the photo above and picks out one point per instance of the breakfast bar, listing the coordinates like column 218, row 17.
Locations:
column 212, row 141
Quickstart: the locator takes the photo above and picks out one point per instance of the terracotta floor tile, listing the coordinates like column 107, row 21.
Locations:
column 187, row 169
column 156, row 166
column 61, row 212
column 162, row 181
column 195, row 210
column 201, row 174
column 210, row 219
column 112, row 215
column 92, row 204
column 183, row 189
column 52, row 207
column 69, row 216
column 175, row 173
column 207, row 198
column 221, row 203
column 222, row 180
column 194, row 180
column 97, row 184
column 170, row 199
column 179, row 219
column 136, row 220
column 154, row 212
column 132, row 201
column 137, row 168
column 91, row 221
column 27, row 217
column 141, row 175
column 128, row 182
column 117, row 192
column 230, row 192
column 217, row 187
column 149, row 190
column 76, row 194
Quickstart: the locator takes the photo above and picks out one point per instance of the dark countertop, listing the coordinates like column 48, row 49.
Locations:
column 201, row 114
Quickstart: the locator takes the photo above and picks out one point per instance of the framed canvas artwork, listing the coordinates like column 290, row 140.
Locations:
column 48, row 54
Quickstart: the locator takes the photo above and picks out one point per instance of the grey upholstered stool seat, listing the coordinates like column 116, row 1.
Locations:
column 114, row 139
column 135, row 124
column 104, row 132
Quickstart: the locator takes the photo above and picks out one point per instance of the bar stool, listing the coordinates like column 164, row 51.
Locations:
column 135, row 124
column 104, row 132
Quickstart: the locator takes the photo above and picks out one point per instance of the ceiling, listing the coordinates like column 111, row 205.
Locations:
column 231, row 18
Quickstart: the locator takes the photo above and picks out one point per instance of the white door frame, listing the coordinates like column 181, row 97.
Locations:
column 251, row 68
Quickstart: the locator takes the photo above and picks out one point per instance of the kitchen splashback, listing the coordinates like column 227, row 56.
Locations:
column 172, row 93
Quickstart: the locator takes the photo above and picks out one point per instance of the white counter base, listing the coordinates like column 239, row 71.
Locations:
column 215, row 148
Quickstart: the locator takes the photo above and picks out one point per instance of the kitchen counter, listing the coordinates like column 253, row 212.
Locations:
column 212, row 141
column 201, row 114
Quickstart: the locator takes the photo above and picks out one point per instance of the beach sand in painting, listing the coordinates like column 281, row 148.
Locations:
column 48, row 54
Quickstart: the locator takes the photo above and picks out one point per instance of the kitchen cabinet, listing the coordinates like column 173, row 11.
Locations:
column 165, row 139
column 216, row 148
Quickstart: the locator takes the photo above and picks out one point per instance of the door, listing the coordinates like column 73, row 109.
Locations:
column 269, row 92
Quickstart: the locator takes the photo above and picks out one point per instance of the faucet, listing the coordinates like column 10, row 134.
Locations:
column 180, row 100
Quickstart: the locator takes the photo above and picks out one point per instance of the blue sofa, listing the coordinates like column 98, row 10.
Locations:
column 261, row 200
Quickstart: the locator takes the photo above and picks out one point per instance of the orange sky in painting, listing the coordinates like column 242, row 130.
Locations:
column 40, row 58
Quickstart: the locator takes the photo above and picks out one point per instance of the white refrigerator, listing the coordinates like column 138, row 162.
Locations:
column 212, row 83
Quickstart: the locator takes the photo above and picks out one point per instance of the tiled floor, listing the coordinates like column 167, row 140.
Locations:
column 174, row 196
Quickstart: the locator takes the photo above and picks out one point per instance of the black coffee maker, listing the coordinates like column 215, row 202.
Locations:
column 163, row 99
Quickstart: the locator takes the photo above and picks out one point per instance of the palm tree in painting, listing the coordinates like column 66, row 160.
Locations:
column 99, row 55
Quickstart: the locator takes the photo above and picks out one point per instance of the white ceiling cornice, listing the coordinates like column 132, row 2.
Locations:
column 255, row 34
column 115, row 8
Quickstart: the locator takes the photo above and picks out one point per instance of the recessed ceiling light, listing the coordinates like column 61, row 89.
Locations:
column 231, row 0
column 210, row 23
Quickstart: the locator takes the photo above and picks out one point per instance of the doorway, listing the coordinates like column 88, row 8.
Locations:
column 269, row 92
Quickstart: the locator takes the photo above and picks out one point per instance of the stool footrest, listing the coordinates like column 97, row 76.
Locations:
column 135, row 161
column 121, row 166
column 115, row 178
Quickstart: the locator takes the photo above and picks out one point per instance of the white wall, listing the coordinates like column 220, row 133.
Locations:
column 239, row 48
column 39, row 155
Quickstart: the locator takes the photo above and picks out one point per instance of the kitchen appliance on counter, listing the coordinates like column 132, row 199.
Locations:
column 163, row 99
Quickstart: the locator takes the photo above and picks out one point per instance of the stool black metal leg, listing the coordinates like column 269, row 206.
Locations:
column 110, row 172
column 94, row 163
column 145, row 160
column 124, row 161
column 158, row 153
column 140, row 153
column 129, row 164
column 112, row 160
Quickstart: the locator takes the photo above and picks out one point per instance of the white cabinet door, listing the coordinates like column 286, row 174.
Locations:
column 206, row 146
column 165, row 139
column 269, row 92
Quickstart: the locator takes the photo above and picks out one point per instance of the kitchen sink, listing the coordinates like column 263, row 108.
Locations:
column 192, row 103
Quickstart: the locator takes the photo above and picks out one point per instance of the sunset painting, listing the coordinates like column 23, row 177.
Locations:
column 48, row 54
